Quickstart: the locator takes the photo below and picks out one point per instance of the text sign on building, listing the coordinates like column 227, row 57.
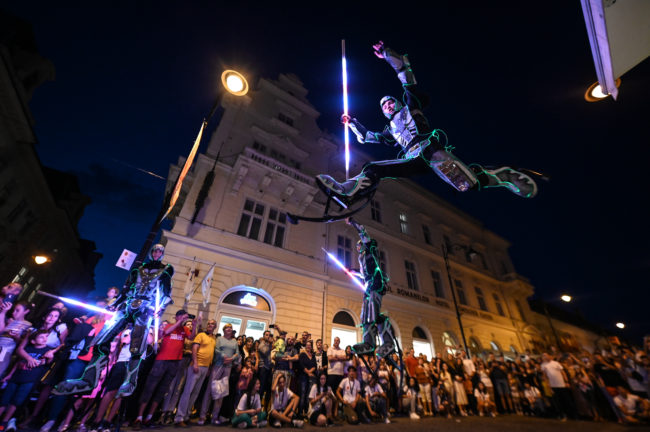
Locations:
column 408, row 293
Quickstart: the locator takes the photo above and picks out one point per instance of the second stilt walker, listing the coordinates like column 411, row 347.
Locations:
column 373, row 323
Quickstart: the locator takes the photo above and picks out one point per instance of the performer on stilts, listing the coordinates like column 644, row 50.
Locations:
column 421, row 147
column 144, row 297
column 373, row 323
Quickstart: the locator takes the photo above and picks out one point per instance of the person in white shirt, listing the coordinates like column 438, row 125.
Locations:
column 349, row 392
column 249, row 410
column 633, row 409
column 532, row 402
column 410, row 398
column 376, row 400
column 321, row 398
column 284, row 404
column 562, row 398
column 484, row 403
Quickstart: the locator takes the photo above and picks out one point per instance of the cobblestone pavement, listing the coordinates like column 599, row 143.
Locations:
column 464, row 424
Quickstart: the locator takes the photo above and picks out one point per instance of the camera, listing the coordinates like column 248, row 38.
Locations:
column 271, row 325
column 190, row 316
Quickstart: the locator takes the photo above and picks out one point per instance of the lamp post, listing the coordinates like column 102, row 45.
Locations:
column 236, row 84
column 445, row 256
column 565, row 298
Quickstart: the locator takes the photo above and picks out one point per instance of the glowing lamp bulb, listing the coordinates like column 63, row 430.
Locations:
column 234, row 83
column 620, row 325
column 40, row 259
column 566, row 298
column 597, row 92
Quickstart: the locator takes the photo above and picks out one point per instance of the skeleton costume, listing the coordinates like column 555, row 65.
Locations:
column 421, row 149
column 147, row 286
column 374, row 324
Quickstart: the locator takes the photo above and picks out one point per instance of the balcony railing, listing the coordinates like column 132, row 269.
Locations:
column 278, row 167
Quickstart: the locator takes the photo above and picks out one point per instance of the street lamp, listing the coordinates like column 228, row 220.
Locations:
column 236, row 84
column 620, row 325
column 595, row 92
column 445, row 254
column 565, row 298
column 41, row 259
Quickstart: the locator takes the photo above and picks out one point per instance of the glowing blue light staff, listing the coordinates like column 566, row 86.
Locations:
column 345, row 110
column 77, row 303
column 357, row 280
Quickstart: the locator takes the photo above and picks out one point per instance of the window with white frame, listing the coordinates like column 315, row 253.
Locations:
column 375, row 211
column 437, row 284
column 275, row 227
column 255, row 217
column 403, row 223
column 426, row 233
column 411, row 275
column 449, row 343
column 250, row 223
column 497, row 302
column 344, row 250
column 481, row 298
column 460, row 291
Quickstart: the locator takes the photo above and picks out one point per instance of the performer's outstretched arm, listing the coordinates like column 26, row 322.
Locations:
column 413, row 98
column 364, row 136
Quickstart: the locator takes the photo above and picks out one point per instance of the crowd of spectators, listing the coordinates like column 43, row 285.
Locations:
column 202, row 374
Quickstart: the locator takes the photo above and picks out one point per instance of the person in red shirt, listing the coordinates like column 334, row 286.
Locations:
column 411, row 363
column 165, row 367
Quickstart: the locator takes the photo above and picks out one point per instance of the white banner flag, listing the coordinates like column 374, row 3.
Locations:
column 125, row 260
column 206, row 283
column 189, row 282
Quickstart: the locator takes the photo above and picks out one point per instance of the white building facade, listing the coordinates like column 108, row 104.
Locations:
column 266, row 270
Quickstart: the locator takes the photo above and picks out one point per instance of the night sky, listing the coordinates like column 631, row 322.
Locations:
column 506, row 82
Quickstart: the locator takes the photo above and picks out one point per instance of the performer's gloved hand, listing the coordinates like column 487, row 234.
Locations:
column 379, row 49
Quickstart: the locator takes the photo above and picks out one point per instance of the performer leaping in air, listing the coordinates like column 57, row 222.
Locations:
column 421, row 147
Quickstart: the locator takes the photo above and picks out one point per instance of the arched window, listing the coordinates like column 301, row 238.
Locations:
column 475, row 348
column 449, row 343
column 344, row 327
column 421, row 343
column 511, row 354
column 495, row 347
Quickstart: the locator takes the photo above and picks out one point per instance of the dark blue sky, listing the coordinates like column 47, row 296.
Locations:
column 506, row 83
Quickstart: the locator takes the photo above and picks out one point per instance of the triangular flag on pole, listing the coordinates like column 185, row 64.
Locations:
column 189, row 282
column 206, row 283
column 188, row 163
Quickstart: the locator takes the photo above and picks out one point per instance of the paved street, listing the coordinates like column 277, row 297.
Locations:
column 467, row 424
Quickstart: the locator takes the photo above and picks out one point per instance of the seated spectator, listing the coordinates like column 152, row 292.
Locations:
column 532, row 402
column 445, row 406
column 284, row 404
column 633, row 408
column 349, row 392
column 21, row 379
column 249, row 410
column 321, row 399
column 376, row 400
column 484, row 404
column 410, row 398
